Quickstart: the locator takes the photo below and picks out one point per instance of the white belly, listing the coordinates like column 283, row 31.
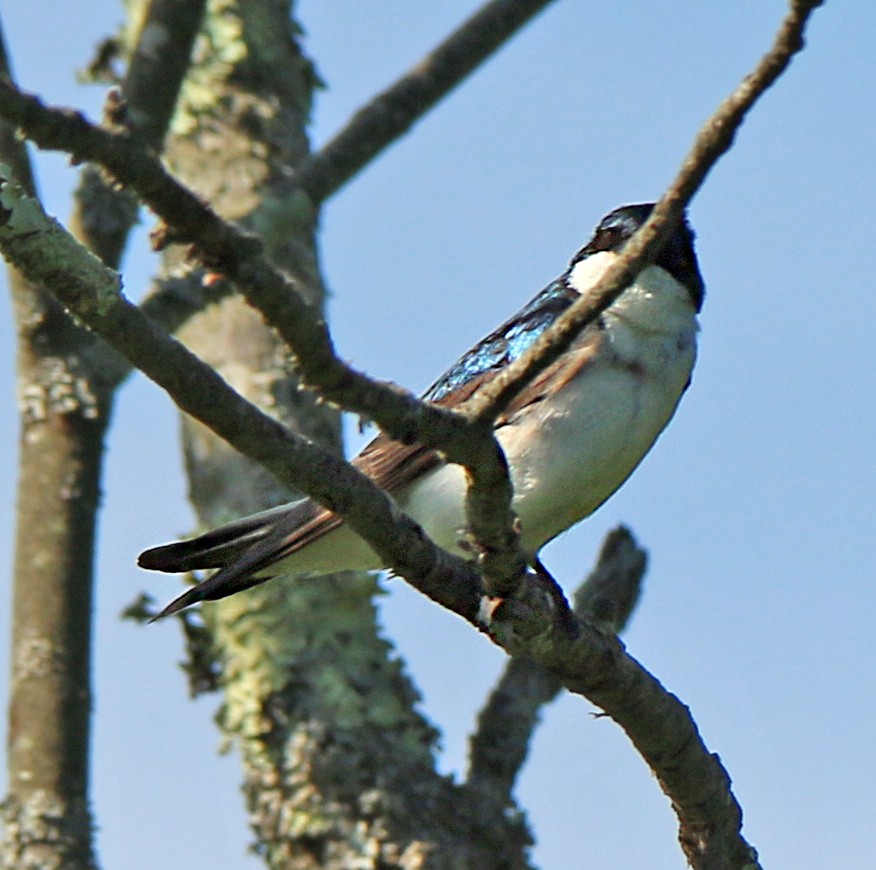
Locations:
column 567, row 456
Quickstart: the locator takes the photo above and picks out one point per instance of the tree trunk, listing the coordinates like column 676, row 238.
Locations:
column 339, row 767
column 47, row 821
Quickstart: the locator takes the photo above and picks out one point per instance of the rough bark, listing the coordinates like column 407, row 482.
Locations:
column 47, row 821
column 339, row 768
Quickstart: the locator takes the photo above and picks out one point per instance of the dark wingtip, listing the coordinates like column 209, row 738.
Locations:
column 157, row 558
column 181, row 602
column 178, row 557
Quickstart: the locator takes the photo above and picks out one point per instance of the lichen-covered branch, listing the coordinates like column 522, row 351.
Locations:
column 66, row 406
column 42, row 249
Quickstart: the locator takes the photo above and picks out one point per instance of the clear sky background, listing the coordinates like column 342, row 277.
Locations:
column 756, row 505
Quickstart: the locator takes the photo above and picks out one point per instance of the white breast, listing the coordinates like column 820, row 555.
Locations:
column 568, row 454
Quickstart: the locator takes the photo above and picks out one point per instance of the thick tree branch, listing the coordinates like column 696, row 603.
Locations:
column 66, row 405
column 392, row 112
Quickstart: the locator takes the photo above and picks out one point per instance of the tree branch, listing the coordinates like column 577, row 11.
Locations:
column 238, row 256
column 46, row 814
column 41, row 247
column 277, row 297
column 391, row 113
column 523, row 616
column 586, row 661
column 383, row 119
column 713, row 140
column 104, row 215
column 507, row 721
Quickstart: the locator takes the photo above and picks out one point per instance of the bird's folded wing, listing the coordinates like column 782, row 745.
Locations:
column 392, row 465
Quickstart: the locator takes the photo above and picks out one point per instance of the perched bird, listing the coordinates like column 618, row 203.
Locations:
column 571, row 437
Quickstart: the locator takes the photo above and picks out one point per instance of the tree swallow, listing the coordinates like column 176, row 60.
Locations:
column 571, row 437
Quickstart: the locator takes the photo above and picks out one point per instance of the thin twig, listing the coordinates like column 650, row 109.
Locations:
column 713, row 140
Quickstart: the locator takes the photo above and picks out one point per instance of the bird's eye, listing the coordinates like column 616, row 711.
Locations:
column 607, row 239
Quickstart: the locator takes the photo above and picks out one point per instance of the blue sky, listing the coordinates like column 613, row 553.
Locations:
column 756, row 505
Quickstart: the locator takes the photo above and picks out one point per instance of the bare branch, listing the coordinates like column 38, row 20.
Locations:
column 714, row 139
column 391, row 113
column 609, row 595
column 593, row 664
column 586, row 661
column 46, row 817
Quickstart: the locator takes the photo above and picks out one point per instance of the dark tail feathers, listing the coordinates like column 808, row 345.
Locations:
column 239, row 549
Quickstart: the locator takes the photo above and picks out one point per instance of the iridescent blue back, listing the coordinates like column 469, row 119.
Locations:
column 508, row 342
